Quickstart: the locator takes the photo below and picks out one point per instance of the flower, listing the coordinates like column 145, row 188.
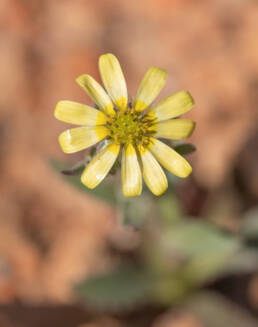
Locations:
column 132, row 128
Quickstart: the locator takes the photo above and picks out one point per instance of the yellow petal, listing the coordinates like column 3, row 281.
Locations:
column 80, row 138
column 96, row 92
column 153, row 174
column 175, row 129
column 150, row 86
column 100, row 165
column 173, row 106
column 113, row 79
column 131, row 172
column 79, row 114
column 170, row 159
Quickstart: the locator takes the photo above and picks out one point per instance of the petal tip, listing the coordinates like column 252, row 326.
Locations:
column 83, row 80
column 106, row 55
column 80, row 79
column 62, row 141
column 161, row 190
column 86, row 182
column 132, row 194
column 186, row 172
column 188, row 96
column 154, row 68
column 56, row 110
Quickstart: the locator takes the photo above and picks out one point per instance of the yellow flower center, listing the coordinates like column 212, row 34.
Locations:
column 131, row 127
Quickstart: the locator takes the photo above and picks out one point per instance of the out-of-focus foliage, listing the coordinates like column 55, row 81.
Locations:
column 104, row 191
column 249, row 226
column 178, row 255
column 123, row 288
column 214, row 310
column 184, row 149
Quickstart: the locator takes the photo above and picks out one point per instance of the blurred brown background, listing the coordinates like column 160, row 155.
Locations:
column 46, row 226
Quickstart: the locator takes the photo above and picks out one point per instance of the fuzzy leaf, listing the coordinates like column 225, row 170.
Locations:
column 185, row 148
column 214, row 310
column 120, row 289
column 105, row 191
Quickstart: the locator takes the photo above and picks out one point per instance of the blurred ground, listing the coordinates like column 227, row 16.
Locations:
column 46, row 227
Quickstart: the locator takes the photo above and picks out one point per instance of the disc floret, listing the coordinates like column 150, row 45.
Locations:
column 130, row 126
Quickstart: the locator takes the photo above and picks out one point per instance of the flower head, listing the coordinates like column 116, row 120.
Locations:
column 132, row 128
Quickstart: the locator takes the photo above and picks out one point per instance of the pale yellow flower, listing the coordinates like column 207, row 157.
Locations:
column 131, row 128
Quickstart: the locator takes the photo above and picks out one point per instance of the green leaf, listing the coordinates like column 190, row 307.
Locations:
column 173, row 180
column 135, row 210
column 105, row 191
column 185, row 148
column 243, row 262
column 169, row 208
column 76, row 169
column 205, row 250
column 120, row 289
column 194, row 238
column 170, row 288
column 249, row 226
column 214, row 310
